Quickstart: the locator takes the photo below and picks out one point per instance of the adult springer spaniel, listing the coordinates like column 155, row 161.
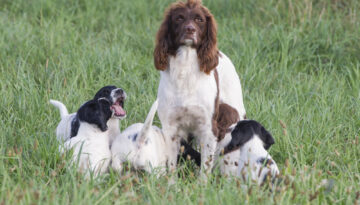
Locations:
column 195, row 77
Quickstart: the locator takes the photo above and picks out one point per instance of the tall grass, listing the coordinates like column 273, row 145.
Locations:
column 299, row 64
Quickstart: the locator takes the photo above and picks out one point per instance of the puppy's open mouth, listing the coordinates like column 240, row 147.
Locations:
column 118, row 108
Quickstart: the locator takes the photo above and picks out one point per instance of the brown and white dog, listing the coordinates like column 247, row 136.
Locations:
column 195, row 77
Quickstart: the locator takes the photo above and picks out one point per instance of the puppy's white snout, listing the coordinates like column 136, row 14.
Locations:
column 121, row 93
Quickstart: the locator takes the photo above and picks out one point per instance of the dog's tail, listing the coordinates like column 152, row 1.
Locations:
column 148, row 123
column 63, row 110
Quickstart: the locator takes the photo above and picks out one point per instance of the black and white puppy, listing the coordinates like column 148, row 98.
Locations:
column 70, row 123
column 90, row 135
column 244, row 151
column 142, row 145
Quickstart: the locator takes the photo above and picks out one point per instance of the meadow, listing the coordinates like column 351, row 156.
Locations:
column 299, row 65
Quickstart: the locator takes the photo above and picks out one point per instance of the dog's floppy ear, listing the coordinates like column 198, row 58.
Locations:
column 75, row 124
column 163, row 43
column 208, row 52
column 92, row 112
column 267, row 138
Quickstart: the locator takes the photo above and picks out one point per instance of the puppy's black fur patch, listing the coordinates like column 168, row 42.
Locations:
column 244, row 131
column 75, row 124
column 95, row 112
column 134, row 137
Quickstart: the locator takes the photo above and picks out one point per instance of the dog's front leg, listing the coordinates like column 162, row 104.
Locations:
column 172, row 140
column 208, row 144
column 172, row 158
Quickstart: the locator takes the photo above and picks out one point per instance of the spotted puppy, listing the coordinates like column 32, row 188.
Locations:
column 89, row 127
column 141, row 144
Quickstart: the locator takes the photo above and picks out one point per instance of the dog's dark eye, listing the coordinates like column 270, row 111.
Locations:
column 180, row 18
column 198, row 19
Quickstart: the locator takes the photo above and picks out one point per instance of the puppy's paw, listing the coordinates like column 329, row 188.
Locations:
column 116, row 166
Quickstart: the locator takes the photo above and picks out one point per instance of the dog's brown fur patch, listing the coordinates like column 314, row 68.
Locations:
column 215, row 116
column 226, row 117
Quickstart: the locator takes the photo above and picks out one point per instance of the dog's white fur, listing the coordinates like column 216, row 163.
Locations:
column 244, row 162
column 186, row 102
column 142, row 145
column 90, row 149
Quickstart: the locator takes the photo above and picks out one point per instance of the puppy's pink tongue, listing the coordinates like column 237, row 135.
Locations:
column 119, row 110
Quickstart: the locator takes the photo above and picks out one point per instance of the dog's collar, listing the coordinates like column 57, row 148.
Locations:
column 103, row 98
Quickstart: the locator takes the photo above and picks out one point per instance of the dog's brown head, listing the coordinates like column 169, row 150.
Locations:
column 189, row 24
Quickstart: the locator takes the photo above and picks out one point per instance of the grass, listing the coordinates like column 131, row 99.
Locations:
column 298, row 61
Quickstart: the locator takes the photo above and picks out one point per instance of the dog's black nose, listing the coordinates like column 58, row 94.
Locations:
column 190, row 29
column 119, row 92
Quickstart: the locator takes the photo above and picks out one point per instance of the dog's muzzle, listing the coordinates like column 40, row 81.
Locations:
column 117, row 107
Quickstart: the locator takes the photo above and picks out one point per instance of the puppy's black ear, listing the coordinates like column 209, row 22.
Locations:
column 75, row 124
column 267, row 138
column 241, row 134
column 102, row 125
column 92, row 112
column 105, row 113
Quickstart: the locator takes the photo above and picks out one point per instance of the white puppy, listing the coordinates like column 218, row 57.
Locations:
column 143, row 145
column 69, row 124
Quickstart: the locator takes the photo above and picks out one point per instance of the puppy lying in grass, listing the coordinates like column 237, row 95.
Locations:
column 245, row 152
column 142, row 145
column 88, row 131
column 242, row 148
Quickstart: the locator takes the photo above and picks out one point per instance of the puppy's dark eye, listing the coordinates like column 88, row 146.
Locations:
column 180, row 18
column 198, row 19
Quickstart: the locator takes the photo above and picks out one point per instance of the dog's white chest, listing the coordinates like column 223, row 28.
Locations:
column 184, row 89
